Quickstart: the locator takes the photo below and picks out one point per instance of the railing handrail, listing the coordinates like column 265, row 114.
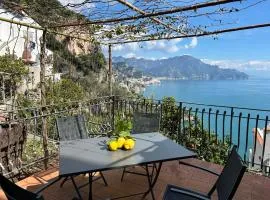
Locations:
column 214, row 105
column 223, row 123
column 58, row 104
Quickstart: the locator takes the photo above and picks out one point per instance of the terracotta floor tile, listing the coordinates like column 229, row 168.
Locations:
column 252, row 187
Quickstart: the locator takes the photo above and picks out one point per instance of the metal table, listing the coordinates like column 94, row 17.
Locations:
column 91, row 155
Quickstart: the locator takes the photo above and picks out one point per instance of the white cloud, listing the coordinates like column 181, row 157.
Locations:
column 167, row 46
column 173, row 49
column 163, row 46
column 192, row 44
column 126, row 47
column 242, row 65
column 130, row 55
column 118, row 47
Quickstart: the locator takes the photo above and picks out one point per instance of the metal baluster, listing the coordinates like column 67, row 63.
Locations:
column 223, row 128
column 156, row 108
column 125, row 109
column 129, row 113
column 239, row 129
column 113, row 112
column 203, row 110
column 196, row 113
column 137, row 105
column 247, row 131
column 180, row 116
column 264, row 140
column 161, row 114
column 209, row 123
column 255, row 140
column 231, row 123
column 189, row 121
column 183, row 117
column 144, row 101
column 121, row 106
column 172, row 124
column 216, row 123
column 133, row 107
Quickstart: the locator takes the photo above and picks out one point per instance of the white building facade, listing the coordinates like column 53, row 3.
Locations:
column 24, row 42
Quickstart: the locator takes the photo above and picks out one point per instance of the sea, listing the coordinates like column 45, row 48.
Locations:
column 252, row 93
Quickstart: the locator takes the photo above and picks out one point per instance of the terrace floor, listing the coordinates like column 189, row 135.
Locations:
column 252, row 186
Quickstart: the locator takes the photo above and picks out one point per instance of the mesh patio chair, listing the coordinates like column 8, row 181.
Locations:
column 73, row 128
column 14, row 192
column 226, row 184
column 144, row 123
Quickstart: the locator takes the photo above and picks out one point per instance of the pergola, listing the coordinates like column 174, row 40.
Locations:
column 112, row 22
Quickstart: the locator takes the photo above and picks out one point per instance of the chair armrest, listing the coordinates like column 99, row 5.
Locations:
column 47, row 185
column 183, row 193
column 200, row 168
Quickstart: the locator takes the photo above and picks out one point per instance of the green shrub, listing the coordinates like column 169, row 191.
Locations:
column 208, row 147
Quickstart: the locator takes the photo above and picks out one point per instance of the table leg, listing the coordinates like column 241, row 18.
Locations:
column 153, row 170
column 76, row 188
column 90, row 194
column 152, row 181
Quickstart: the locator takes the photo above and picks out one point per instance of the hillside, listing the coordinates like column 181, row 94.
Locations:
column 81, row 61
column 71, row 55
column 181, row 67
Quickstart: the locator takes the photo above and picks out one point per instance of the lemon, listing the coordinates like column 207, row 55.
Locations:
column 120, row 142
column 129, row 144
column 113, row 145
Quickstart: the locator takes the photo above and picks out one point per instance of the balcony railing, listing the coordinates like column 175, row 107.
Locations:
column 208, row 129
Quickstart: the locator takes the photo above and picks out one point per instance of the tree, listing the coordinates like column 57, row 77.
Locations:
column 16, row 70
column 170, row 117
column 64, row 91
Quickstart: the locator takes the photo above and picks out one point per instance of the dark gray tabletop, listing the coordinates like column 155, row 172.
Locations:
column 90, row 155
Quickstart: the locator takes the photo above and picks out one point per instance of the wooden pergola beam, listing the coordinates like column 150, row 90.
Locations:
column 154, row 14
column 37, row 27
column 199, row 35
column 136, row 9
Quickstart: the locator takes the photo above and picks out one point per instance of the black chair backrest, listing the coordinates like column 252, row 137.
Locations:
column 71, row 128
column 145, row 122
column 230, row 177
column 14, row 192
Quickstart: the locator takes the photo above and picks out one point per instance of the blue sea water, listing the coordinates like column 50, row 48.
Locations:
column 252, row 93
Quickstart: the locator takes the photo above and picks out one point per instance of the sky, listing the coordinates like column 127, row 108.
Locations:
column 247, row 51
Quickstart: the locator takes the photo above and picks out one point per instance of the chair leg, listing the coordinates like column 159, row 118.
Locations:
column 123, row 173
column 103, row 178
column 63, row 182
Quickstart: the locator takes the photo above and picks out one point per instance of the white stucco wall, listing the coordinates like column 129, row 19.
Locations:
column 23, row 40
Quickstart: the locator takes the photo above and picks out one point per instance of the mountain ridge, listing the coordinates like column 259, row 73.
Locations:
column 184, row 67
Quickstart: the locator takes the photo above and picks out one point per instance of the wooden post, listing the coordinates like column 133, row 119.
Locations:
column 3, row 89
column 43, row 97
column 110, row 69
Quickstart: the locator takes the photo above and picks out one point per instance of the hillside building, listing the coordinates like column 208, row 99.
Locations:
column 24, row 43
